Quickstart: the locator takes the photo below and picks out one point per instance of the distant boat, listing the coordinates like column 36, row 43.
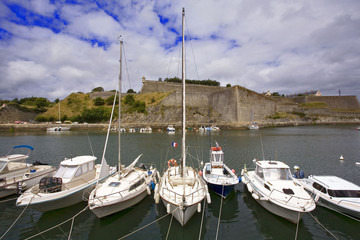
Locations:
column 170, row 129
column 253, row 125
column 341, row 157
column 16, row 175
column 217, row 175
column 58, row 128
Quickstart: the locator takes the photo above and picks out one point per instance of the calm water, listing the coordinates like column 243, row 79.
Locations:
column 315, row 149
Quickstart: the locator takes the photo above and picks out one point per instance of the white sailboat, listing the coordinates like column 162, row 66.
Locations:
column 59, row 128
column 125, row 188
column 180, row 188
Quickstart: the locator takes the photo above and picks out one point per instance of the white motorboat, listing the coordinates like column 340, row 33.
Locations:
column 146, row 130
column 16, row 175
column 170, row 129
column 253, row 126
column 273, row 187
column 180, row 188
column 71, row 184
column 334, row 193
column 125, row 188
column 217, row 175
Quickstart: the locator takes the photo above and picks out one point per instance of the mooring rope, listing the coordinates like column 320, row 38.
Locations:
column 297, row 226
column 7, row 200
column 202, row 218
column 167, row 235
column 127, row 235
column 323, row 226
column 16, row 219
column 58, row 225
column 221, row 203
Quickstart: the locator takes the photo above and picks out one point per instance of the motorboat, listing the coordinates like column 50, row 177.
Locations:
column 57, row 129
column 170, row 129
column 128, row 186
column 217, row 175
column 16, row 175
column 180, row 188
column 146, row 130
column 71, row 184
column 334, row 193
column 273, row 187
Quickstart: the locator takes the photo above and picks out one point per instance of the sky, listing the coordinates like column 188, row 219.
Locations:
column 52, row 48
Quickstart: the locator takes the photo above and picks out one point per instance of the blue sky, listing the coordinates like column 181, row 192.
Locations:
column 52, row 48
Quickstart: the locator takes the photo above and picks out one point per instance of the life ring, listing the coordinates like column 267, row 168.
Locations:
column 172, row 163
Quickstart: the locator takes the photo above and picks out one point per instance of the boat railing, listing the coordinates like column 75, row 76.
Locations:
column 349, row 202
column 180, row 196
column 286, row 197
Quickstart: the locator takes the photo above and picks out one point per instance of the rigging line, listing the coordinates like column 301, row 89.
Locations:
column 172, row 54
column 192, row 50
column 221, row 203
column 127, row 71
column 58, row 225
column 92, row 151
column 202, row 218
column 127, row 235
column 323, row 226
column 15, row 220
column 297, row 226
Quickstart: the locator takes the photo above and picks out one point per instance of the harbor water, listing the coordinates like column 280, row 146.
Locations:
column 315, row 149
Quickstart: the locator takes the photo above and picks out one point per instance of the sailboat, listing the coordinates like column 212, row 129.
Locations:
column 253, row 125
column 128, row 186
column 181, row 189
column 60, row 128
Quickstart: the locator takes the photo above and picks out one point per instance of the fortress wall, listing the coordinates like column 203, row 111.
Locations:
column 338, row 102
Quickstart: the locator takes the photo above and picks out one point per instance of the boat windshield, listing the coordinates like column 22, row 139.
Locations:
column 217, row 158
column 277, row 174
column 2, row 165
column 66, row 172
column 344, row 193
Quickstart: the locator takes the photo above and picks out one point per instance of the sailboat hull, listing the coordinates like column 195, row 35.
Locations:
column 106, row 210
column 181, row 215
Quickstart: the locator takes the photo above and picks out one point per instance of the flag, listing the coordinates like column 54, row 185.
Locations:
column 174, row 144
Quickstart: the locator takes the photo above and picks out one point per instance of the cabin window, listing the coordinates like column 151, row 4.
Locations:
column 91, row 166
column 2, row 165
column 319, row 187
column 114, row 184
column 78, row 172
column 138, row 183
column 344, row 193
column 259, row 172
column 60, row 172
column 217, row 158
column 277, row 174
column 70, row 171
column 84, row 168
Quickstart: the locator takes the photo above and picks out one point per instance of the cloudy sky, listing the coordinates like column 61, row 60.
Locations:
column 51, row 48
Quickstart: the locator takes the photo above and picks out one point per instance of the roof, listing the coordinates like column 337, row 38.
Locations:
column 78, row 160
column 271, row 164
column 335, row 183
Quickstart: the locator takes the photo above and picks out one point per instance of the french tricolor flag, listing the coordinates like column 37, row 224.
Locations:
column 174, row 144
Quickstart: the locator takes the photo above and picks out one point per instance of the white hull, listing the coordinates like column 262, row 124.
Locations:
column 106, row 210
column 181, row 215
column 44, row 202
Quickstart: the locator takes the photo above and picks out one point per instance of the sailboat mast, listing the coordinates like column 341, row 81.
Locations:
column 59, row 112
column 119, row 119
column 183, row 147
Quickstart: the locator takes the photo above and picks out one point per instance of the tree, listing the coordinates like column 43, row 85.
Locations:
column 129, row 99
column 97, row 89
column 57, row 100
column 130, row 91
column 99, row 101
column 41, row 102
column 228, row 85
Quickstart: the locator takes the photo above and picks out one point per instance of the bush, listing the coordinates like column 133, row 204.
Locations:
column 99, row 101
column 94, row 115
column 110, row 100
column 98, row 89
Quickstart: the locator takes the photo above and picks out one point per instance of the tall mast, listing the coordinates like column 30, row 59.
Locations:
column 119, row 119
column 59, row 112
column 183, row 147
